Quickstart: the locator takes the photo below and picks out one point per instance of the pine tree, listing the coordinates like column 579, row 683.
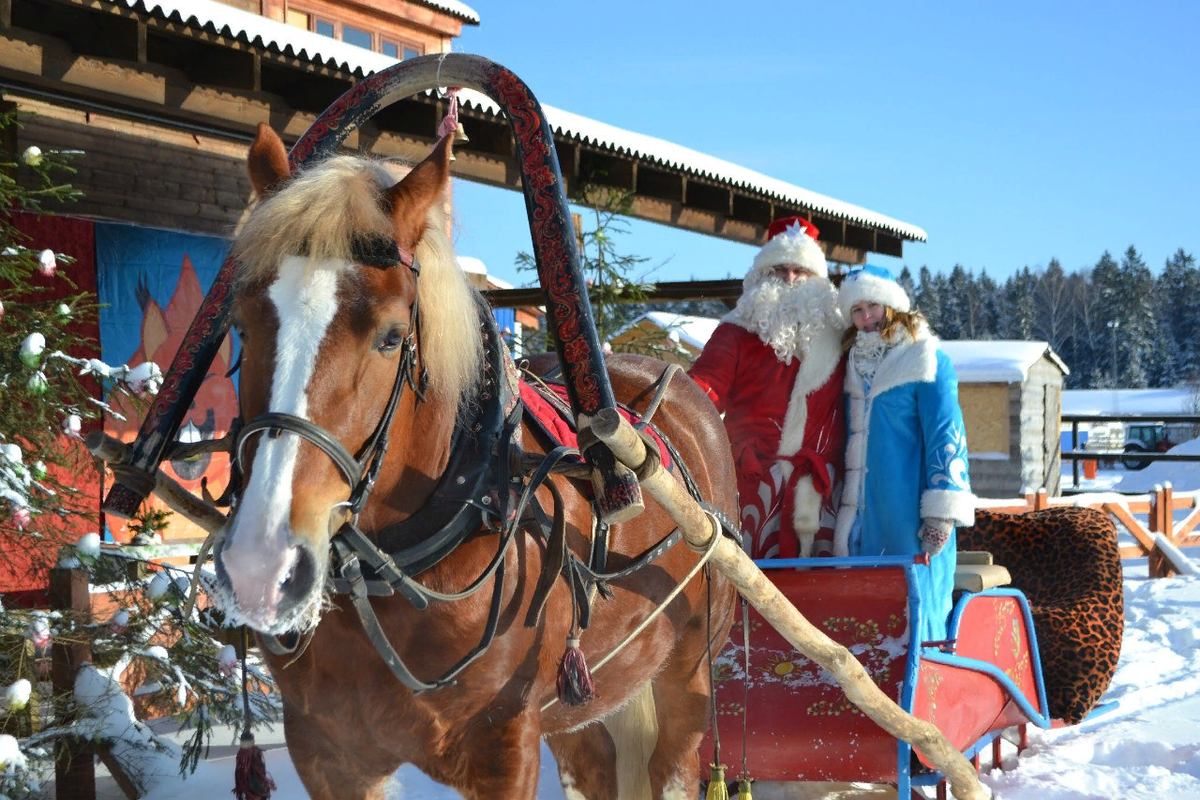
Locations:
column 1137, row 330
column 929, row 299
column 48, row 383
column 1053, row 306
column 1018, row 305
column 955, row 313
column 1109, row 316
column 989, row 306
column 905, row 279
column 1086, row 333
column 1177, row 306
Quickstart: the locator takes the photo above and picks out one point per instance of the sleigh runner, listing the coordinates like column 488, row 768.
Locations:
column 338, row 453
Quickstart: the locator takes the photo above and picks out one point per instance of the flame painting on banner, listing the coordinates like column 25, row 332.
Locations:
column 151, row 283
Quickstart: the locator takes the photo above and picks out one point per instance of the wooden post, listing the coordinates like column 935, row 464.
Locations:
column 1040, row 500
column 74, row 759
column 1162, row 514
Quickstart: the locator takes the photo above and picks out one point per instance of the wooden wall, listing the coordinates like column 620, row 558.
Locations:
column 1032, row 422
column 142, row 173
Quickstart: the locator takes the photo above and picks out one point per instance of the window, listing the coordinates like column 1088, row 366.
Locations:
column 352, row 34
column 399, row 50
column 300, row 19
column 357, row 37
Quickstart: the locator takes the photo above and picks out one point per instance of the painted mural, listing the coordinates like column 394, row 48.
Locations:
column 151, row 283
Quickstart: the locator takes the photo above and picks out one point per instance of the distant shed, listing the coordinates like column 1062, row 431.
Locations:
column 675, row 338
column 1011, row 398
column 1010, row 393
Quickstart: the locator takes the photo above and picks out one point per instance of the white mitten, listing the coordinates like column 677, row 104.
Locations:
column 935, row 532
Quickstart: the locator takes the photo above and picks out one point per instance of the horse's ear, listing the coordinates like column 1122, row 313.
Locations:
column 413, row 196
column 267, row 162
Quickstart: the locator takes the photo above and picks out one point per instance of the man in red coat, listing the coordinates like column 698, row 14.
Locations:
column 774, row 367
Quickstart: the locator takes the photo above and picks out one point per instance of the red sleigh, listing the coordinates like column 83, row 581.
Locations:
column 986, row 678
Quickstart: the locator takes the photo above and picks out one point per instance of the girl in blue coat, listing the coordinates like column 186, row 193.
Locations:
column 906, row 485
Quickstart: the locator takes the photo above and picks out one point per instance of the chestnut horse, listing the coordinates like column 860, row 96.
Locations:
column 327, row 315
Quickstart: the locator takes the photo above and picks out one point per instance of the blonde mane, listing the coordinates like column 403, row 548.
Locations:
column 321, row 210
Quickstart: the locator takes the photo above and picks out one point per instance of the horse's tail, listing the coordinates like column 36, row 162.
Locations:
column 634, row 731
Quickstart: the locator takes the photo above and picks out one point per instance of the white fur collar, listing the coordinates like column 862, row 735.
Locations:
column 816, row 366
column 912, row 362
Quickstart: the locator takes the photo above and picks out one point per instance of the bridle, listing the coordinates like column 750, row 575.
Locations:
column 360, row 471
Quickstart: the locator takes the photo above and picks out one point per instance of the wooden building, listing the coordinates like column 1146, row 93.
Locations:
column 675, row 338
column 1011, row 398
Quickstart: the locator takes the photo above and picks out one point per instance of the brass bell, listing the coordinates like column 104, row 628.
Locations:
column 460, row 137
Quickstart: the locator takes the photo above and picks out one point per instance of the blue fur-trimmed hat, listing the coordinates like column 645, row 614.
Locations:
column 873, row 284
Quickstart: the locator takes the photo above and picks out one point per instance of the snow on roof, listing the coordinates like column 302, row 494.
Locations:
column 693, row 331
column 471, row 264
column 453, row 8
column 684, row 159
column 225, row 20
column 998, row 361
column 1128, row 401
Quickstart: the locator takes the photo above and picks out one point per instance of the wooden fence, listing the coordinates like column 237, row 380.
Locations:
column 1159, row 507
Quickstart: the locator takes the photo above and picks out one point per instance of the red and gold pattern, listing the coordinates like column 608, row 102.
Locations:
column 799, row 724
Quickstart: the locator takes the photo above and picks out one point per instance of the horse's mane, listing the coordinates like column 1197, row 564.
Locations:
column 319, row 212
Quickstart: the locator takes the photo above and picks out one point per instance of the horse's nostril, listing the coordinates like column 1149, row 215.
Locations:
column 299, row 581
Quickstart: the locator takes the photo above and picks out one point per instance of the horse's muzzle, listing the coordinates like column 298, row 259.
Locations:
column 267, row 599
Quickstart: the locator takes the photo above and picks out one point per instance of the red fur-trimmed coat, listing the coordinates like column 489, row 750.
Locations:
column 791, row 413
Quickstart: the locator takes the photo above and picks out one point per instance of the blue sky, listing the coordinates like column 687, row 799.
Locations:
column 1012, row 133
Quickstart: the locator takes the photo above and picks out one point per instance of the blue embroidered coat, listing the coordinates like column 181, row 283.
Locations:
column 906, row 460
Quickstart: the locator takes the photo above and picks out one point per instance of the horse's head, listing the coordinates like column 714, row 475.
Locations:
column 327, row 303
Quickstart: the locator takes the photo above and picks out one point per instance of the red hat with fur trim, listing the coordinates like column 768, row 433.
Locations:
column 791, row 240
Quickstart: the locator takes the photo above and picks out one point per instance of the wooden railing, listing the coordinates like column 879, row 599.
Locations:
column 1159, row 507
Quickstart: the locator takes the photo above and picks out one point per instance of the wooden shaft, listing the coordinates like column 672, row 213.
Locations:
column 177, row 498
column 766, row 598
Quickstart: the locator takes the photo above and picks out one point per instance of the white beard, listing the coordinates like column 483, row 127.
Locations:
column 786, row 316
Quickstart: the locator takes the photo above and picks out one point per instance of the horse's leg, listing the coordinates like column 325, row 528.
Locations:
column 586, row 761
column 682, row 698
column 329, row 771
column 503, row 758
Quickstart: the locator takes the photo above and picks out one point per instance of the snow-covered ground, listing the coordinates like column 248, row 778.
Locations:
column 1148, row 748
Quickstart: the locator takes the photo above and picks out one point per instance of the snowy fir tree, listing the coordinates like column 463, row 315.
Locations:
column 51, row 390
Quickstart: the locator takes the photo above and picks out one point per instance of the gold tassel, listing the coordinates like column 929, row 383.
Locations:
column 744, row 790
column 717, row 790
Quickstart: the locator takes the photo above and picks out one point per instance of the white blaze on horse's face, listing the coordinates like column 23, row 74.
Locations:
column 262, row 550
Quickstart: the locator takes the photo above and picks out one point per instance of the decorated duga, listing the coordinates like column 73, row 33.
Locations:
column 447, row 559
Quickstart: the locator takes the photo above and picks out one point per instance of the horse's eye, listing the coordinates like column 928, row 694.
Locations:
column 391, row 340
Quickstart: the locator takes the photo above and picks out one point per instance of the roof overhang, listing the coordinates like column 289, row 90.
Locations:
column 203, row 66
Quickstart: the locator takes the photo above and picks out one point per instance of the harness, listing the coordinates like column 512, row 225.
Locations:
column 488, row 484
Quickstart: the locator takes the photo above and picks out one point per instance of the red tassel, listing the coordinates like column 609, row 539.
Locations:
column 575, row 687
column 250, row 778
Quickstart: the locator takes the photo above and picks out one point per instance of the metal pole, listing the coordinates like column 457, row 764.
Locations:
column 1075, row 446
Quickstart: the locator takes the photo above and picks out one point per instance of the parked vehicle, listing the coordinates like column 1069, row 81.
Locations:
column 1152, row 437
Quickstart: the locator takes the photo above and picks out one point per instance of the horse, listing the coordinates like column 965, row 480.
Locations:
column 362, row 352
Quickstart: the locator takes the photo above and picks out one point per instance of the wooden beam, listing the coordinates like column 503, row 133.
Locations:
column 661, row 292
